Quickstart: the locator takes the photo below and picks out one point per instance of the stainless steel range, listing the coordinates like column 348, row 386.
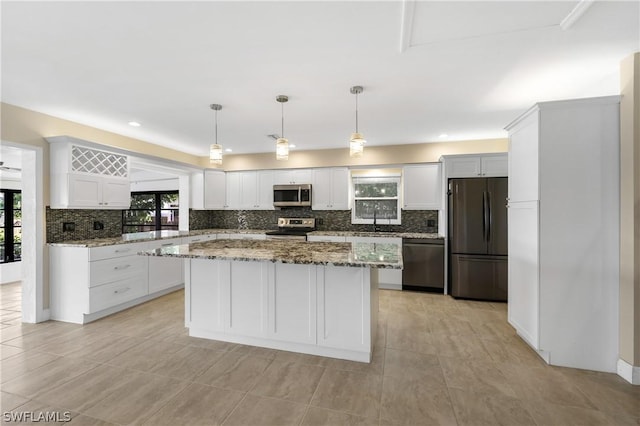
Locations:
column 292, row 228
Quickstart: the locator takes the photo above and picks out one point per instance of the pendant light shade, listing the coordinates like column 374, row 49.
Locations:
column 215, row 150
column 357, row 141
column 282, row 144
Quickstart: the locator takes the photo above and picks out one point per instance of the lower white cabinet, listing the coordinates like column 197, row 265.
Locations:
column 242, row 236
column 198, row 238
column 90, row 283
column 165, row 272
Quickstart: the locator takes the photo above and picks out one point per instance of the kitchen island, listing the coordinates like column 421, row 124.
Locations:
column 311, row 297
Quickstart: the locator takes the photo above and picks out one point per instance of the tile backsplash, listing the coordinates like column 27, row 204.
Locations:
column 83, row 221
column 328, row 220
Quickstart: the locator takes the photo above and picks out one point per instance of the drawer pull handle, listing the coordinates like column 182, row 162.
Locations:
column 122, row 250
column 195, row 241
column 119, row 267
column 122, row 290
column 168, row 244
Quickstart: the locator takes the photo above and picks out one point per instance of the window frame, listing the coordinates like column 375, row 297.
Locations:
column 157, row 224
column 397, row 179
column 8, row 226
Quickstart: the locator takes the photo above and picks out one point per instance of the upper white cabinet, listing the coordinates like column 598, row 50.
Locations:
column 422, row 186
column 250, row 190
column 87, row 178
column 330, row 189
column 476, row 165
column 208, row 190
column 292, row 176
column 563, row 236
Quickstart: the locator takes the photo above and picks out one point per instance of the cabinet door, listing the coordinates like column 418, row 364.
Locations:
column 321, row 190
column 265, row 190
column 302, row 176
column 292, row 303
column 234, row 188
column 214, row 190
column 116, row 192
column 339, row 188
column 464, row 167
column 85, row 190
column 283, row 177
column 523, row 161
column 523, row 270
column 494, row 165
column 422, row 187
column 248, row 190
column 165, row 272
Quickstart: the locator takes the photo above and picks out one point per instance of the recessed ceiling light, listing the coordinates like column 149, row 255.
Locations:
column 134, row 124
column 291, row 145
column 228, row 150
column 444, row 136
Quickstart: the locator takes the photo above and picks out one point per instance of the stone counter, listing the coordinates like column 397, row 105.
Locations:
column 376, row 255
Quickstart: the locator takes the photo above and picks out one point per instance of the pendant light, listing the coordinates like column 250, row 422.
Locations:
column 215, row 150
column 357, row 141
column 282, row 144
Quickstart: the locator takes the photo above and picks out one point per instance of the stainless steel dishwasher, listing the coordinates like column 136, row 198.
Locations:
column 423, row 261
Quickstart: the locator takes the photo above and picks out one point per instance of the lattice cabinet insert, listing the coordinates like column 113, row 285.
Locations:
column 84, row 177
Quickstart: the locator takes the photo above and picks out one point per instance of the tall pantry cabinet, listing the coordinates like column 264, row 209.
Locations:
column 564, row 231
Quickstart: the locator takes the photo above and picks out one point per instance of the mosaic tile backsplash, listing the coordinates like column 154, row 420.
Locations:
column 83, row 221
column 333, row 220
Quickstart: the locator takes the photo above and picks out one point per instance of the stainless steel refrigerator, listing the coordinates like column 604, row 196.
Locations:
column 477, row 222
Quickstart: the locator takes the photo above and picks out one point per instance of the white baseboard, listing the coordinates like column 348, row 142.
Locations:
column 629, row 372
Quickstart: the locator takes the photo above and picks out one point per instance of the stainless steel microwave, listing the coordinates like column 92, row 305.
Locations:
column 292, row 195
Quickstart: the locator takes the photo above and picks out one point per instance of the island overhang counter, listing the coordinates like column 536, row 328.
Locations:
column 316, row 298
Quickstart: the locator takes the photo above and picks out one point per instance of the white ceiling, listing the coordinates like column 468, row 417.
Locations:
column 461, row 68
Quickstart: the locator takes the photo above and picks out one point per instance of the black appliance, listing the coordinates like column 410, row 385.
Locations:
column 423, row 261
column 295, row 195
column 291, row 228
column 477, row 216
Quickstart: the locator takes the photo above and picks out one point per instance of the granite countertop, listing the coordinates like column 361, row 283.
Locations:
column 378, row 255
column 138, row 237
column 431, row 236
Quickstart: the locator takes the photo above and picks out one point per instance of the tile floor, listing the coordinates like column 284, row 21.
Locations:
column 436, row 361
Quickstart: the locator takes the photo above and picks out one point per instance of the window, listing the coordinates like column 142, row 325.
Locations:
column 151, row 211
column 376, row 197
column 10, row 225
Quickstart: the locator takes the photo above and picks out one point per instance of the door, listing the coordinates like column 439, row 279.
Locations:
column 467, row 216
column 85, row 190
column 116, row 192
column 497, row 189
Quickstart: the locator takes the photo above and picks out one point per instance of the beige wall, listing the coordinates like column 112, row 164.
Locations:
column 630, row 210
column 373, row 155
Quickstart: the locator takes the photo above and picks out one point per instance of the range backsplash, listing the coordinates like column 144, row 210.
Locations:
column 328, row 220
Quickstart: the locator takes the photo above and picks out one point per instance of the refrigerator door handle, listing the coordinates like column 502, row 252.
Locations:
column 485, row 215
column 489, row 216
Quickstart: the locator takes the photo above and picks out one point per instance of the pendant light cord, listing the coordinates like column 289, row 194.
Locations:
column 216, row 131
column 282, row 119
column 356, row 112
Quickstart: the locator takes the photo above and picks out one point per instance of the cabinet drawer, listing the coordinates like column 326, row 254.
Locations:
column 112, row 294
column 117, row 269
column 120, row 250
column 198, row 238
column 164, row 243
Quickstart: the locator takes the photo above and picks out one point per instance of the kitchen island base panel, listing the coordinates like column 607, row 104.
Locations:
column 313, row 309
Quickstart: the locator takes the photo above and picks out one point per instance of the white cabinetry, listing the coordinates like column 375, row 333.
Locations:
column 242, row 236
column 87, row 178
column 422, row 186
column 390, row 279
column 250, row 190
column 198, row 238
column 208, row 190
column 563, row 231
column 476, row 165
column 164, row 272
column 88, row 283
column 292, row 176
column 330, row 189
